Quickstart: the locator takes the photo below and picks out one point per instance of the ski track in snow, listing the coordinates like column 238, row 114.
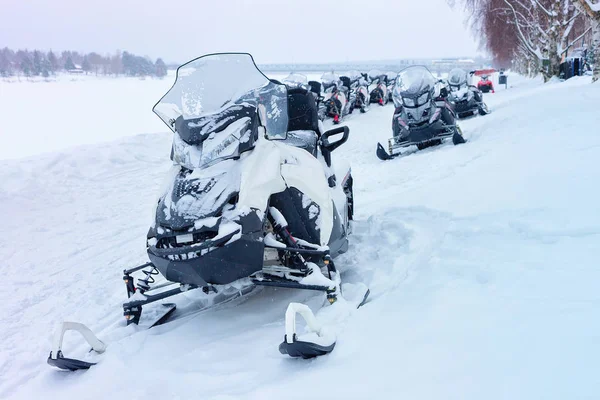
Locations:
column 481, row 260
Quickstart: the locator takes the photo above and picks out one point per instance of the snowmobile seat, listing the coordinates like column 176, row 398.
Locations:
column 303, row 125
column 345, row 81
column 315, row 87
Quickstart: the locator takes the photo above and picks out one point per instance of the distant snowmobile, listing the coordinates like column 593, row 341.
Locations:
column 485, row 85
column 252, row 199
column 391, row 81
column 335, row 99
column 358, row 89
column 422, row 117
column 379, row 94
column 465, row 98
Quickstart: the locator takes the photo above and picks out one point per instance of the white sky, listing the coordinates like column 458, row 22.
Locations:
column 272, row 30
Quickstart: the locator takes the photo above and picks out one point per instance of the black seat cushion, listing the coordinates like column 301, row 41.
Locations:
column 302, row 111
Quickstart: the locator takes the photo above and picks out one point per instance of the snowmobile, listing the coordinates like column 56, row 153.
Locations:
column 335, row 99
column 253, row 198
column 423, row 116
column 485, row 85
column 358, row 89
column 315, row 88
column 391, row 81
column 379, row 95
column 466, row 99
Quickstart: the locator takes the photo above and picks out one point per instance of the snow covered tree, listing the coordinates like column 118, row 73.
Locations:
column 69, row 63
column 25, row 62
column 6, row 57
column 86, row 65
column 160, row 68
column 533, row 32
column 592, row 10
column 52, row 62
column 116, row 65
column 37, row 63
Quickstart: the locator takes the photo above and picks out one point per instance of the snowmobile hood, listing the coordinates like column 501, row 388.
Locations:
column 198, row 194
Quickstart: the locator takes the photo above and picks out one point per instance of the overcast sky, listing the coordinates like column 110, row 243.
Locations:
column 272, row 30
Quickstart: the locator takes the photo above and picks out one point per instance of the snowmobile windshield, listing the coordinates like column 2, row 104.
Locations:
column 414, row 87
column 330, row 77
column 331, row 82
column 457, row 79
column 374, row 74
column 296, row 80
column 215, row 106
column 354, row 75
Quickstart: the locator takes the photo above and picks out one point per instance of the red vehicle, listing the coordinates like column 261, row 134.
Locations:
column 485, row 84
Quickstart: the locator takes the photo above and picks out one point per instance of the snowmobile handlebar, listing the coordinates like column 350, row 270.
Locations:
column 332, row 146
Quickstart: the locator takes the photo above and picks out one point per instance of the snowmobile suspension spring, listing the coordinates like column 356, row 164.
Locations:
column 143, row 284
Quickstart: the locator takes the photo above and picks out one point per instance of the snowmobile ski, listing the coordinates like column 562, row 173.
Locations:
column 56, row 358
column 321, row 338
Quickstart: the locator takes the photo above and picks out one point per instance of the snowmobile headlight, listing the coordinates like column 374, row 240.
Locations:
column 469, row 95
column 423, row 99
column 408, row 102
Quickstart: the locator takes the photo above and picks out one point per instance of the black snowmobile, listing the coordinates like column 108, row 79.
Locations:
column 422, row 116
column 336, row 94
column 390, row 78
column 316, row 89
column 466, row 99
column 358, row 90
column 379, row 95
column 252, row 198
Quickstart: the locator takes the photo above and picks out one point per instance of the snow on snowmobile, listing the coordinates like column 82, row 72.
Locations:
column 358, row 89
column 253, row 199
column 423, row 116
column 379, row 95
column 465, row 98
column 335, row 99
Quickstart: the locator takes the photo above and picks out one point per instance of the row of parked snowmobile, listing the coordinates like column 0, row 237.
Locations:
column 337, row 96
column 255, row 197
column 427, row 109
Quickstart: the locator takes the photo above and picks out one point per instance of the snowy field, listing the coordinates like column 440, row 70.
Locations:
column 481, row 258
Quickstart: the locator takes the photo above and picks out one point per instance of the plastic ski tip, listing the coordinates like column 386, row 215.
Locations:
column 319, row 341
column 305, row 350
column 56, row 358
column 382, row 154
column 68, row 364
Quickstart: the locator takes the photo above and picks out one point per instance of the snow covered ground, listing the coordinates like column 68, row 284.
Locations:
column 481, row 260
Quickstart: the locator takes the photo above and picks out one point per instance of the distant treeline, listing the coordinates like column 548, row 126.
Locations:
column 39, row 63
